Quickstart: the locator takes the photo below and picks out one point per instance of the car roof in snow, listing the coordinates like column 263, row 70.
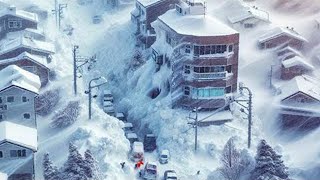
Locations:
column 297, row 61
column 119, row 114
column 25, row 55
column 15, row 76
column 12, row 10
column 172, row 174
column 107, row 91
column 11, row 132
column 165, row 152
column 279, row 31
column 10, row 44
column 147, row 3
column 132, row 135
column 305, row 84
column 195, row 25
column 137, row 146
column 128, row 125
column 150, row 135
column 248, row 12
column 151, row 165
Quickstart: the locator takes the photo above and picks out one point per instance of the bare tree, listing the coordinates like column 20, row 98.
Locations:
column 231, row 161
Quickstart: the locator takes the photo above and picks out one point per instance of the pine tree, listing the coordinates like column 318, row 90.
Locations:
column 265, row 166
column 50, row 172
column 91, row 168
column 74, row 166
column 281, row 169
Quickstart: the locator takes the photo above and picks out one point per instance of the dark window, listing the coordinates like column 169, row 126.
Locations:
column 228, row 89
column 248, row 25
column 208, row 50
column 219, row 49
column 196, row 69
column 26, row 115
column 188, row 49
column 168, row 39
column 13, row 153
column 187, row 69
column 10, row 99
column 1, row 154
column 201, row 50
column 24, row 99
column 196, row 50
column 201, row 69
column 0, row 99
column 230, row 48
column 187, row 90
column 229, row 68
column 213, row 49
column 18, row 153
column 224, row 48
column 1, row 117
column 206, row 69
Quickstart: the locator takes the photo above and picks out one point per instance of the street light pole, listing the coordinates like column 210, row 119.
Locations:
column 75, row 47
column 89, row 92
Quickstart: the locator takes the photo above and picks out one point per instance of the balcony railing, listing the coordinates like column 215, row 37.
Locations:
column 206, row 76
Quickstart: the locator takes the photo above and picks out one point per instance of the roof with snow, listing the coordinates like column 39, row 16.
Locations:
column 3, row 176
column 195, row 25
column 11, row 44
column 304, row 84
column 297, row 61
column 42, row 61
column 12, row 10
column 290, row 50
column 147, row 3
column 15, row 76
column 279, row 31
column 11, row 132
column 249, row 12
column 26, row 33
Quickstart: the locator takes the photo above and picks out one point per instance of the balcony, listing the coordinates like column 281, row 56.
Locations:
column 208, row 76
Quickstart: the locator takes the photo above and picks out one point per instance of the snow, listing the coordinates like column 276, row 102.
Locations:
column 18, row 134
column 25, row 55
column 11, row 10
column 15, row 76
column 221, row 115
column 248, row 12
column 279, row 31
column 7, row 45
column 25, row 33
column 291, row 51
column 147, row 3
column 304, row 84
column 195, row 25
column 3, row 176
column 297, row 61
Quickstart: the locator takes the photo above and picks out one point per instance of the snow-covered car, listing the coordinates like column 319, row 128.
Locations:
column 128, row 127
column 97, row 19
column 170, row 175
column 108, row 108
column 121, row 116
column 164, row 156
column 107, row 95
column 132, row 137
column 150, row 171
column 150, row 143
column 137, row 152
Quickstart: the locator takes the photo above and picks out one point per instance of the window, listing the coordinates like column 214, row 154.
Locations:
column 219, row 49
column 212, row 69
column 187, row 69
column 187, row 90
column 230, row 48
column 228, row 89
column 1, row 154
column 229, row 68
column 213, row 49
column 10, row 99
column 208, row 50
column 24, row 99
column 168, row 39
column 196, row 50
column 26, row 115
column 188, row 49
column 18, row 153
column 31, row 69
column 248, row 25
column 208, row 92
column 3, row 107
column 201, row 50
column 14, row 24
column 1, row 117
column 0, row 100
column 224, row 48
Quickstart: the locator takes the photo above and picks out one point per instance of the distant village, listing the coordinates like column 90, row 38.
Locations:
column 201, row 51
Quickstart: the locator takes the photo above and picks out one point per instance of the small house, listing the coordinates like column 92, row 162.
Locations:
column 35, row 64
column 281, row 37
column 294, row 66
column 18, row 89
column 300, row 103
column 18, row 145
column 12, row 19
column 10, row 47
column 146, row 12
column 249, row 17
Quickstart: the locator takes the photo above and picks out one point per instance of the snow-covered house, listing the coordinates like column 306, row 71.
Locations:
column 145, row 12
column 300, row 102
column 281, row 37
column 10, row 47
column 18, row 89
column 36, row 34
column 12, row 19
column 35, row 64
column 202, row 53
column 18, row 145
column 249, row 17
column 294, row 66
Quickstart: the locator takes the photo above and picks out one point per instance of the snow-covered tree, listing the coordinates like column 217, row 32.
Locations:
column 91, row 167
column 231, row 161
column 281, row 169
column 50, row 171
column 47, row 101
column 74, row 166
column 67, row 116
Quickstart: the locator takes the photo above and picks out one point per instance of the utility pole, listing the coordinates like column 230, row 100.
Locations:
column 60, row 13
column 89, row 92
column 271, row 73
column 55, row 11
column 195, row 126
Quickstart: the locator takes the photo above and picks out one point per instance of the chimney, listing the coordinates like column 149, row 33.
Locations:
column 12, row 8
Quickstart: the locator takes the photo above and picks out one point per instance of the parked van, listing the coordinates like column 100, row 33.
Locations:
column 137, row 152
column 150, row 142
column 150, row 171
column 128, row 127
column 164, row 156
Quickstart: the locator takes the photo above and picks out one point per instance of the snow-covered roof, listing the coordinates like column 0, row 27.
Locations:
column 18, row 134
column 290, row 49
column 305, row 84
column 297, row 61
column 7, row 45
column 248, row 12
column 195, row 25
column 132, row 136
column 279, row 31
column 12, row 10
column 25, row 55
column 120, row 115
column 15, row 76
column 128, row 125
column 26, row 33
column 3, row 176
column 147, row 3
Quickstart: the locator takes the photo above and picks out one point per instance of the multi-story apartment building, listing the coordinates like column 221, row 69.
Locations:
column 202, row 53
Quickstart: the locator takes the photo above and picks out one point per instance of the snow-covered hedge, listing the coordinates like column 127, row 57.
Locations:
column 67, row 116
column 46, row 101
